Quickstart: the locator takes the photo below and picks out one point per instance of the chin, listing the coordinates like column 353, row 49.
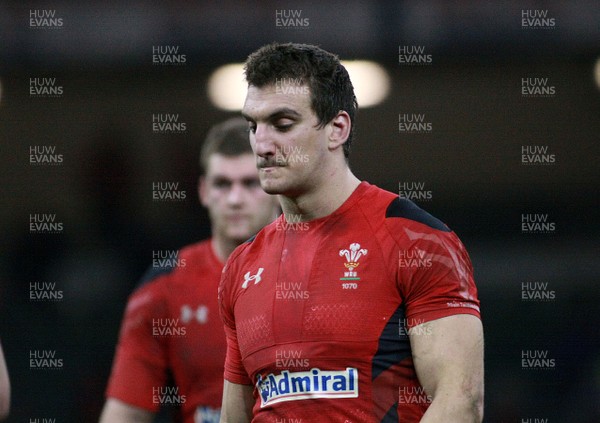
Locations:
column 272, row 187
column 240, row 236
column 272, row 190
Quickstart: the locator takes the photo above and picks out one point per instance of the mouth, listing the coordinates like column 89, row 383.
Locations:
column 234, row 218
column 269, row 166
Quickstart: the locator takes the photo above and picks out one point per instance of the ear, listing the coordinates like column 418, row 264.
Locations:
column 340, row 127
column 202, row 190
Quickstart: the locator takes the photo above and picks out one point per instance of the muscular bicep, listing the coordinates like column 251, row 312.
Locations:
column 116, row 411
column 448, row 359
column 237, row 403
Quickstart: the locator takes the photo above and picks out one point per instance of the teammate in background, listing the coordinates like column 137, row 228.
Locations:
column 355, row 305
column 171, row 328
column 4, row 387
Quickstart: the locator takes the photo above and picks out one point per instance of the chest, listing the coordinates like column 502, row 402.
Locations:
column 309, row 287
column 193, row 314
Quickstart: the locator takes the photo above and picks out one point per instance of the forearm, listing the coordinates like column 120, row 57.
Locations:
column 447, row 407
column 116, row 411
column 237, row 403
column 449, row 363
column 4, row 388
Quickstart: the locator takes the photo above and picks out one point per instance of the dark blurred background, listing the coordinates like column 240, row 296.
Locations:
column 470, row 162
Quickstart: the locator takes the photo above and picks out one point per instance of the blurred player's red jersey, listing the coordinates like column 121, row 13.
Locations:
column 316, row 314
column 172, row 329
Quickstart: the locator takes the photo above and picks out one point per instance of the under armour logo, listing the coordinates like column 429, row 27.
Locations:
column 256, row 278
column 188, row 313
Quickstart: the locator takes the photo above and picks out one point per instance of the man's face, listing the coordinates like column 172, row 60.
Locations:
column 284, row 136
column 237, row 205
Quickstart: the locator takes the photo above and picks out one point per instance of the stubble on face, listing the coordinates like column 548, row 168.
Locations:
column 284, row 137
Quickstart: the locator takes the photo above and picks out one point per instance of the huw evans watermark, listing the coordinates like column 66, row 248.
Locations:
column 291, row 19
column 291, row 222
column 45, row 360
column 537, row 360
column 413, row 55
column 537, row 223
column 414, row 258
column 167, row 395
column 290, row 291
column 167, row 123
column 413, row 123
column 285, row 359
column 168, row 55
column 290, row 154
column 44, row 88
column 414, row 191
column 537, row 155
column 45, row 155
column 167, row 259
column 45, row 223
column 537, row 291
column 537, row 87
column 413, row 395
column 167, row 327
column 537, row 19
column 45, row 19
column 291, row 86
column 167, row 191
column 417, row 327
column 44, row 291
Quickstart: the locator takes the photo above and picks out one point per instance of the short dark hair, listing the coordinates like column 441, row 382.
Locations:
column 330, row 87
column 229, row 138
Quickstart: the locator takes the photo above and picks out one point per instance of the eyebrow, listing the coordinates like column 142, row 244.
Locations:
column 283, row 112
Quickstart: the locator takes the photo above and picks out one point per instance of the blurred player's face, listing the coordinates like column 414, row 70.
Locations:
column 231, row 192
column 290, row 150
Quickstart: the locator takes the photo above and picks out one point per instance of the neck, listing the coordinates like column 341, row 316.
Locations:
column 223, row 246
column 324, row 199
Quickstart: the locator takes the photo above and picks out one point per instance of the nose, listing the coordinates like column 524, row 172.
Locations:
column 235, row 196
column 263, row 145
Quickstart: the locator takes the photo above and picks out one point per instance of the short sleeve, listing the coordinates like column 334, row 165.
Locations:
column 435, row 277
column 234, row 368
column 141, row 360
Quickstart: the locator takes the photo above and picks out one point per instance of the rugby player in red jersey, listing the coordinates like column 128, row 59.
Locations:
column 171, row 329
column 355, row 305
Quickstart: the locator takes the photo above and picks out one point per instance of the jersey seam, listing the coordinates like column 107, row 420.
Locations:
column 380, row 246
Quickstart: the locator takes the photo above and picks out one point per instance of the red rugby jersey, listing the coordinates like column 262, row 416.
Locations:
column 172, row 328
column 316, row 313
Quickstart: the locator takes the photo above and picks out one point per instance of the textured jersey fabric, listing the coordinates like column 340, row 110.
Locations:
column 317, row 313
column 172, row 330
